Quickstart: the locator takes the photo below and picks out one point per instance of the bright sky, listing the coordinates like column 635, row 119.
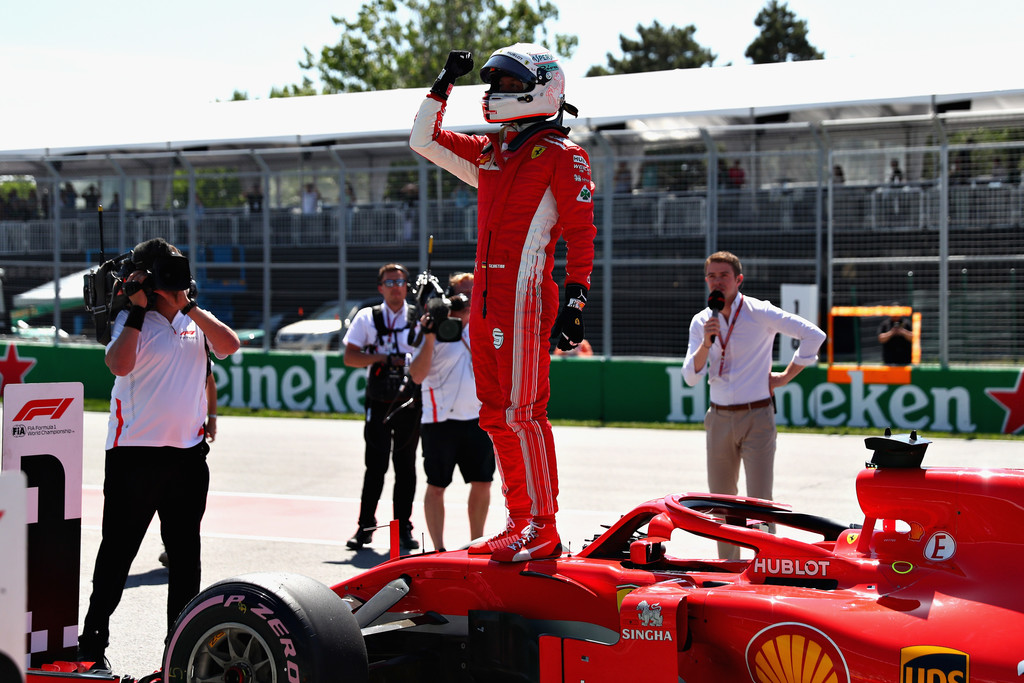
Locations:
column 72, row 55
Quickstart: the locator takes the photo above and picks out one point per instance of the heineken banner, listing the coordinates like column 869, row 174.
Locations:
column 962, row 400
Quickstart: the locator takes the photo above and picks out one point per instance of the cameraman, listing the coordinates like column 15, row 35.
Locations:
column 451, row 432
column 383, row 338
column 156, row 446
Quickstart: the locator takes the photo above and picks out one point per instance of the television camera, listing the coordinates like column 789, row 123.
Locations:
column 106, row 294
column 438, row 303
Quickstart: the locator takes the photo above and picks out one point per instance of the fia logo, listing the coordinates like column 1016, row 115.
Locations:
column 18, row 430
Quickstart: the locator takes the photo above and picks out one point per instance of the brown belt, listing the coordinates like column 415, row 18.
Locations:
column 745, row 406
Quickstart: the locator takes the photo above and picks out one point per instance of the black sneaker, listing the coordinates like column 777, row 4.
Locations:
column 362, row 537
column 92, row 646
column 99, row 661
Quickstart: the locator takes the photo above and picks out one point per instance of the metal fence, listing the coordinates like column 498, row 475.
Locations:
column 921, row 211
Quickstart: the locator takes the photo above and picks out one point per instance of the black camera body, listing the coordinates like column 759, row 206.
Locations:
column 438, row 304
column 104, row 293
column 104, row 288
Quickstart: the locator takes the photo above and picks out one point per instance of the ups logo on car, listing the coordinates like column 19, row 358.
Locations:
column 928, row 664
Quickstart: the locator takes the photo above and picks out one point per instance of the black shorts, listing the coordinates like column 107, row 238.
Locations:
column 460, row 442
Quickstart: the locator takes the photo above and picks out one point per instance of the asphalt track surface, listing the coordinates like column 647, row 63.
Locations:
column 284, row 496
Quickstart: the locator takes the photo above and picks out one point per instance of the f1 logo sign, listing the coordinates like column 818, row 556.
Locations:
column 43, row 407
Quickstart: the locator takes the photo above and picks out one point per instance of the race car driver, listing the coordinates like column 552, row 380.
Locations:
column 534, row 186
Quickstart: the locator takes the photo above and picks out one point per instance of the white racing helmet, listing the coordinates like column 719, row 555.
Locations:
column 534, row 65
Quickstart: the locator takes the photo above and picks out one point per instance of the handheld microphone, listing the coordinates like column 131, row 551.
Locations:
column 716, row 302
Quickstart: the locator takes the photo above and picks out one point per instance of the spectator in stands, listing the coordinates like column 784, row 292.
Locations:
column 895, row 173
column 310, row 199
column 115, row 203
column 15, row 210
column 838, row 176
column 254, row 198
column 44, row 203
column 737, row 176
column 998, row 174
column 896, row 337
column 450, row 431
column 736, row 356
column 32, row 205
column 68, row 197
column 91, row 197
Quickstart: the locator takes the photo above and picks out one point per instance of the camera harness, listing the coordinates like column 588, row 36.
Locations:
column 383, row 331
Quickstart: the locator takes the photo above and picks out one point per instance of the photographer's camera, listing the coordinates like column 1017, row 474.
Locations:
column 438, row 304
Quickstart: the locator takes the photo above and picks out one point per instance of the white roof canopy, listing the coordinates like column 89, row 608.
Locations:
column 811, row 90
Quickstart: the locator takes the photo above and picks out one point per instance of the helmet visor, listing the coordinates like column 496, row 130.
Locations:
column 503, row 65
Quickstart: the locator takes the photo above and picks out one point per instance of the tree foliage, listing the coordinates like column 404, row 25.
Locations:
column 404, row 43
column 657, row 49
column 783, row 37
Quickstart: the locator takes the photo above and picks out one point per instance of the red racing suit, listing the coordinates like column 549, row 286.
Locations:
column 533, row 186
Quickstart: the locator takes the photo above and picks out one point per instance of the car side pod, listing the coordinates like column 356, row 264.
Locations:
column 652, row 628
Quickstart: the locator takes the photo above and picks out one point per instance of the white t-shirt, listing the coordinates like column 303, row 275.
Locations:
column 449, row 390
column 363, row 332
column 162, row 401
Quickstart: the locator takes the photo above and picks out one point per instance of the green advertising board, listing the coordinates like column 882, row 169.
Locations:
column 931, row 399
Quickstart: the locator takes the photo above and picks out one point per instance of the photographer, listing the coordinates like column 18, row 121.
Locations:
column 451, row 433
column 382, row 339
column 156, row 447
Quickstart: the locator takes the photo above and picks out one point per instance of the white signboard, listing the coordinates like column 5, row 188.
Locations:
column 43, row 425
column 12, row 576
column 803, row 301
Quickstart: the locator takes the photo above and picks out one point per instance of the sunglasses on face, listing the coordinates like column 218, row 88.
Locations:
column 393, row 283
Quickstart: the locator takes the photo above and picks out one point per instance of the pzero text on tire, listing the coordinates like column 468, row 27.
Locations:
column 266, row 628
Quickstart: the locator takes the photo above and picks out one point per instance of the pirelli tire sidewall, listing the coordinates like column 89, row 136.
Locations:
column 309, row 631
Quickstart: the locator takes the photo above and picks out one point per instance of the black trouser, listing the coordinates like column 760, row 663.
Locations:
column 397, row 438
column 138, row 483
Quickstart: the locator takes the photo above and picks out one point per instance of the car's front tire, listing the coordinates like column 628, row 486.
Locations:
column 266, row 628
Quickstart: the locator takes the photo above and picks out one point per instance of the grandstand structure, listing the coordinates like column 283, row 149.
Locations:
column 820, row 202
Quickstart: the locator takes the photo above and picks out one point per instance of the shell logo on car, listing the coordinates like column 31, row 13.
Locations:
column 795, row 653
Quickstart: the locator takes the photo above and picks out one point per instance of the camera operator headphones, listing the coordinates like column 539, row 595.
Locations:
column 458, row 300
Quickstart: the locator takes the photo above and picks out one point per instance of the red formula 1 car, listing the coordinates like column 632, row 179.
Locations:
column 926, row 590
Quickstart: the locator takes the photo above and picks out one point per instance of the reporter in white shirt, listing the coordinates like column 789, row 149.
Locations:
column 734, row 349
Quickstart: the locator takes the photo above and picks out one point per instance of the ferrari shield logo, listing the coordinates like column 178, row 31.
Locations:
column 537, row 151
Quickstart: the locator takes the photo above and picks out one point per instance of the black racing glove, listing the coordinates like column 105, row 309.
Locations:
column 460, row 63
column 569, row 325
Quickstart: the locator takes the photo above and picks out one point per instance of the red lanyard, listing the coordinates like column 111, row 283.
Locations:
column 725, row 337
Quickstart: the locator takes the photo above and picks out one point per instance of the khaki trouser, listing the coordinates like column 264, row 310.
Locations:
column 735, row 437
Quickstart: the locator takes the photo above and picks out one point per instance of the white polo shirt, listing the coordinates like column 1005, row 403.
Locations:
column 162, row 401
column 449, row 390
